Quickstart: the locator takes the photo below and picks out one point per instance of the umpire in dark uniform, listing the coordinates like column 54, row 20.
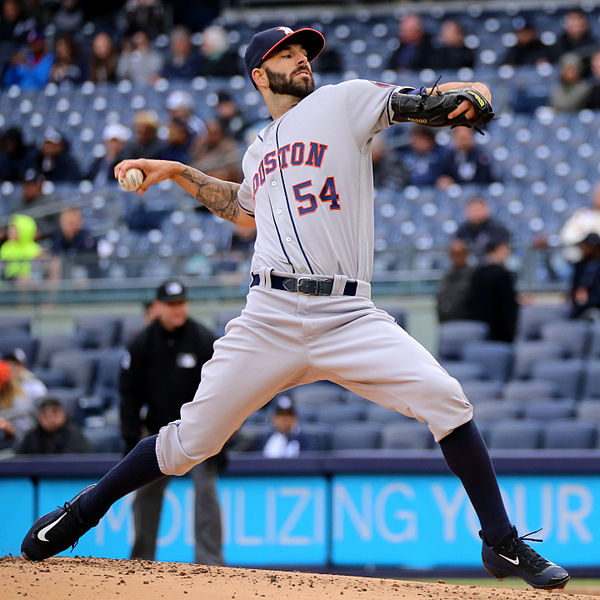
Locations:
column 159, row 373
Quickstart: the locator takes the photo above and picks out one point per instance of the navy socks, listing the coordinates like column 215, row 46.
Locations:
column 136, row 469
column 468, row 458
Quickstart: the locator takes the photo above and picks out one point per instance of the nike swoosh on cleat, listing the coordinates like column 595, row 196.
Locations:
column 514, row 561
column 41, row 534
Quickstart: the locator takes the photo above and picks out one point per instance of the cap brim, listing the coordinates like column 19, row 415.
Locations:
column 169, row 299
column 311, row 40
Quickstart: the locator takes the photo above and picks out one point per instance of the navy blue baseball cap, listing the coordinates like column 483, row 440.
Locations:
column 264, row 42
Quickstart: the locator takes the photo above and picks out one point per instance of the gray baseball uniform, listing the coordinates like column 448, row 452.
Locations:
column 308, row 182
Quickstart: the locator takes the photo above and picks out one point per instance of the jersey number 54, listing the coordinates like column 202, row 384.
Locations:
column 328, row 193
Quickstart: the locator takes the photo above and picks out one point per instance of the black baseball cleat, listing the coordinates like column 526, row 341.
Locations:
column 56, row 531
column 512, row 557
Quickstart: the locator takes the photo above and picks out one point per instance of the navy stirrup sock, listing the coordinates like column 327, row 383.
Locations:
column 468, row 458
column 136, row 469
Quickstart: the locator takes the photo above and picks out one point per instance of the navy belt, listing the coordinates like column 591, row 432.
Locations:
column 306, row 285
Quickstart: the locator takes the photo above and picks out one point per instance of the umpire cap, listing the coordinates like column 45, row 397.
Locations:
column 264, row 42
column 171, row 291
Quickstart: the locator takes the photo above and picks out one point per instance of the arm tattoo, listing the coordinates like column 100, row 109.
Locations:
column 220, row 197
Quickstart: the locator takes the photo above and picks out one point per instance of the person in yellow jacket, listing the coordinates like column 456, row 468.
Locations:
column 17, row 252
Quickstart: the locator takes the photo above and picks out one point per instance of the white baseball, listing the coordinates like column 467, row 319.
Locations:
column 132, row 179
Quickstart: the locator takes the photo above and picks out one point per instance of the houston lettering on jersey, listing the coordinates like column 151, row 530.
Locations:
column 298, row 153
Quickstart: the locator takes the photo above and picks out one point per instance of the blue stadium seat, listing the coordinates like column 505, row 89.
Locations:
column 406, row 435
column 477, row 391
column 549, row 410
column 515, row 434
column 355, row 436
column 530, row 352
column 566, row 374
column 575, row 335
column 10, row 340
column 523, row 391
column 496, row 358
column 101, row 331
column 319, row 434
column 51, row 344
column 336, row 413
column 453, row 335
column 316, row 394
column 78, row 367
column 106, row 388
column 591, row 385
column 533, row 316
column 104, row 439
column 376, row 413
column 492, row 411
column 570, row 434
column 464, row 371
column 15, row 322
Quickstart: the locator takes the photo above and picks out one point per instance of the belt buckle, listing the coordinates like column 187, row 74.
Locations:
column 307, row 286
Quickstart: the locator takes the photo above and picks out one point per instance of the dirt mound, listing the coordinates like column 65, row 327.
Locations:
column 95, row 578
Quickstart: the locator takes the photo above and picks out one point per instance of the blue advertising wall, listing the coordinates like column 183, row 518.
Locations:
column 410, row 521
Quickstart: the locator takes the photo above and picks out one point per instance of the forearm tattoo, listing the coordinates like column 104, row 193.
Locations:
column 220, row 197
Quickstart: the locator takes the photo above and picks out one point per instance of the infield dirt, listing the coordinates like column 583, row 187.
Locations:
column 93, row 578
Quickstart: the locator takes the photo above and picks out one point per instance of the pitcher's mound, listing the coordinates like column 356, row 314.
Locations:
column 106, row 579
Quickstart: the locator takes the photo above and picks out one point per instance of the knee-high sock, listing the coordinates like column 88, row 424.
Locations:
column 136, row 469
column 468, row 458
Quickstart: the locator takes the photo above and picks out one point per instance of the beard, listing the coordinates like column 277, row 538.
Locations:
column 279, row 83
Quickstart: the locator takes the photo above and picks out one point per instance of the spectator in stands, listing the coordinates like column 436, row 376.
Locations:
column 73, row 238
column 218, row 155
column 388, row 171
column 572, row 90
column 69, row 18
column 33, row 387
column 17, row 252
column 30, row 70
column 583, row 221
column 54, row 433
column 453, row 291
column 452, row 54
column 68, row 65
column 593, row 100
column 576, row 38
column 469, row 163
column 180, row 105
column 528, row 49
column 16, row 409
column 14, row 155
column 179, row 143
column 423, row 160
column 216, row 59
column 104, row 59
column 287, row 439
column 146, row 142
column 585, row 281
column 147, row 15
column 182, row 62
column 101, row 171
column 139, row 62
column 492, row 295
column 54, row 160
column 32, row 189
column 161, row 371
column 414, row 51
column 480, row 228
column 14, row 27
column 230, row 115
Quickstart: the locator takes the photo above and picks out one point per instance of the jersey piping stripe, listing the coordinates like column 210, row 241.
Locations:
column 287, row 200
column 279, row 235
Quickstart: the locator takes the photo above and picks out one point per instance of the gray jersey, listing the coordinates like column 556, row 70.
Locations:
column 308, row 181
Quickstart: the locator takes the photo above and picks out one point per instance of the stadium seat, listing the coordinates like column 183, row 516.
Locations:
column 319, row 434
column 591, row 384
column 530, row 352
column 570, row 434
column 523, row 391
column 588, row 410
column 492, row 411
column 406, row 435
column 464, row 371
column 549, row 410
column 496, row 358
column 477, row 391
column 15, row 322
column 51, row 344
column 355, row 436
column 381, row 414
column 131, row 325
column 453, row 335
column 78, row 368
column 533, row 316
column 567, row 375
column 10, row 340
column 316, row 394
column 104, row 439
column 336, row 413
column 515, row 434
column 101, row 331
column 106, row 387
column 575, row 335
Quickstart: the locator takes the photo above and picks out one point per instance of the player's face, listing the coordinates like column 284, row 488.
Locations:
column 289, row 72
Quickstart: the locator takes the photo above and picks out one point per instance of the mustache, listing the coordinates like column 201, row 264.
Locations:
column 300, row 70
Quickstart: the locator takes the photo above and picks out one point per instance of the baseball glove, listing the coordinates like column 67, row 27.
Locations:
column 433, row 108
